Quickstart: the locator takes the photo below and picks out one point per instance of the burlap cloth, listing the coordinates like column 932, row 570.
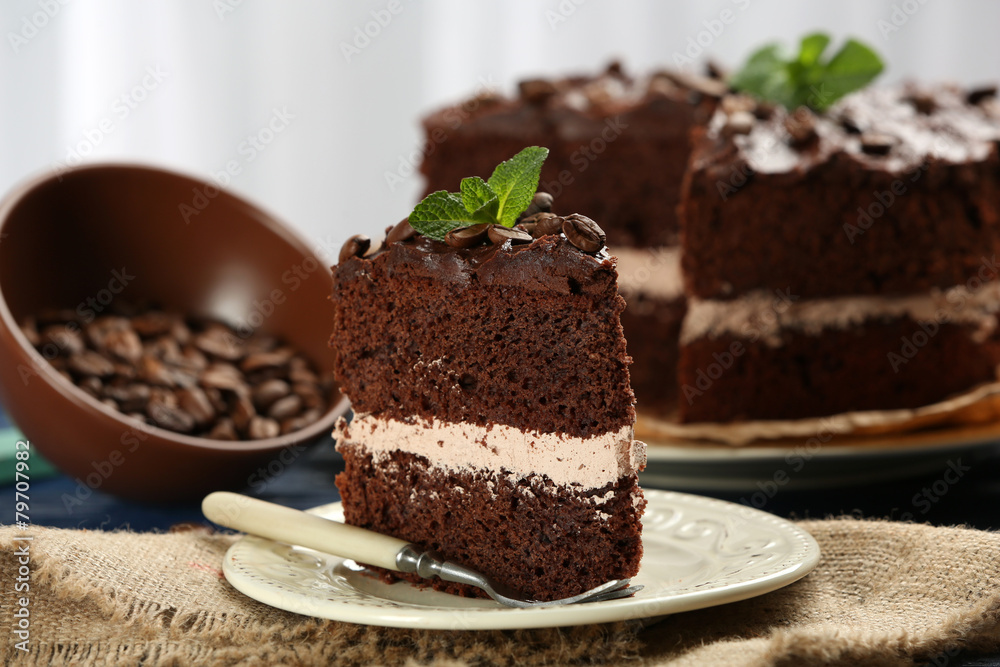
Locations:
column 883, row 594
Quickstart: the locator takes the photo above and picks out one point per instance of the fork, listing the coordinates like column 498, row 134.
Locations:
column 291, row 526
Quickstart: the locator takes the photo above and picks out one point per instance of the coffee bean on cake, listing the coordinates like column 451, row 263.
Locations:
column 500, row 235
column 583, row 232
column 187, row 375
column 356, row 246
column 466, row 237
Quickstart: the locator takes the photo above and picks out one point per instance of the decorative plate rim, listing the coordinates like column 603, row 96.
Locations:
column 799, row 558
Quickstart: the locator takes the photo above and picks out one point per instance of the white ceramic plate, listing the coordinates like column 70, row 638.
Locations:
column 700, row 466
column 698, row 551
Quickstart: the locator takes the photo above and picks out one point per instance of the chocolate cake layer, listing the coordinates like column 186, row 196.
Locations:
column 652, row 327
column 894, row 190
column 544, row 540
column 618, row 146
column 527, row 336
column 874, row 365
column 650, row 280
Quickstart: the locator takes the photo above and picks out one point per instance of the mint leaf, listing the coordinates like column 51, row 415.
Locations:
column 498, row 202
column 811, row 48
column 515, row 182
column 851, row 68
column 764, row 76
column 806, row 79
column 439, row 213
column 478, row 197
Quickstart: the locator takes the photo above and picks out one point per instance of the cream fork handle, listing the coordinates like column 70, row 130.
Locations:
column 291, row 526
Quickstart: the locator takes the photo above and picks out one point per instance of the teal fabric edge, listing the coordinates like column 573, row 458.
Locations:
column 38, row 467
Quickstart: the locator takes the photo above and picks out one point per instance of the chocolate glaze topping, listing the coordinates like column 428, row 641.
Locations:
column 549, row 263
column 893, row 129
column 572, row 107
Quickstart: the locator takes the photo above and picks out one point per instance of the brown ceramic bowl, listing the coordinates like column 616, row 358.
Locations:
column 61, row 238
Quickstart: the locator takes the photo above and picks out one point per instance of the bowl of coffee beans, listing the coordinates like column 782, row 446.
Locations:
column 160, row 337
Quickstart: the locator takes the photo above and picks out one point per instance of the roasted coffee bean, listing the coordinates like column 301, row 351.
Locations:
column 466, row 237
column 735, row 103
column 130, row 397
column 223, row 376
column 170, row 417
column 977, row 95
column 269, row 391
column 923, row 102
column 153, row 323
column 242, row 412
column 194, row 401
column 584, row 233
column 305, row 419
column 850, row 125
column 66, row 338
column 124, row 344
column 764, row 110
column 276, row 359
column 89, row 362
column 499, row 235
column 701, row 84
column 547, row 224
column 400, row 233
column 354, row 247
column 286, row 407
column 296, row 374
column 220, row 342
column 163, row 348
column 540, row 203
column 741, row 122
column 195, row 377
column 873, row 143
column 262, row 427
column 92, row 385
column 99, row 329
column 155, row 372
column 180, row 332
column 224, row 430
column 309, row 393
column 124, row 370
column 801, row 126
column 536, row 91
column 192, row 359
column 715, row 70
column 260, row 343
column 217, row 399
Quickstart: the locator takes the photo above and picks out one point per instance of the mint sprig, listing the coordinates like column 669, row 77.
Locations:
column 806, row 79
column 497, row 201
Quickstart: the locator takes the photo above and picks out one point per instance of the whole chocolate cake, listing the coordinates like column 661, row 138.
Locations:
column 843, row 260
column 493, row 418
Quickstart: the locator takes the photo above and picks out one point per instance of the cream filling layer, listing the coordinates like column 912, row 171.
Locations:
column 587, row 463
column 654, row 272
column 764, row 315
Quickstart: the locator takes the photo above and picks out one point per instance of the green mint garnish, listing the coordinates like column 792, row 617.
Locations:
column 497, row 201
column 807, row 79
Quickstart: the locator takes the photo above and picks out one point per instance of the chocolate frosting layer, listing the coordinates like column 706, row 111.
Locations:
column 550, row 263
column 576, row 108
column 919, row 124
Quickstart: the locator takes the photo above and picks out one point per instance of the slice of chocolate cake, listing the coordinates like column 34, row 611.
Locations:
column 487, row 370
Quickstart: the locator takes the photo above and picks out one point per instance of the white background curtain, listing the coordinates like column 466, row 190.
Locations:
column 185, row 83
